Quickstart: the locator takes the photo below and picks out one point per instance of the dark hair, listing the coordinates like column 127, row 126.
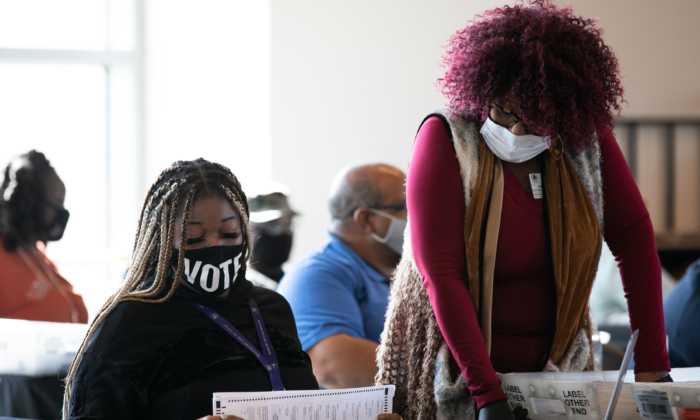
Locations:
column 22, row 196
column 554, row 63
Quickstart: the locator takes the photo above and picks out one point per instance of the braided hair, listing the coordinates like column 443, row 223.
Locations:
column 22, row 198
column 176, row 189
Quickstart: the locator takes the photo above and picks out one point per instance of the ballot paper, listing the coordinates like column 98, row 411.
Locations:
column 332, row 404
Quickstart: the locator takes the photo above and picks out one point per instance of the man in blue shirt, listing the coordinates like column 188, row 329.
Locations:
column 339, row 292
column 682, row 319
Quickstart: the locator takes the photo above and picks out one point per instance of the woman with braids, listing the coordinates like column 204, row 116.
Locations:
column 510, row 192
column 183, row 324
column 31, row 214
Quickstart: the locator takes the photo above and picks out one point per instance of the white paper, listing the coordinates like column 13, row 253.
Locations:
column 680, row 394
column 330, row 404
column 653, row 405
column 38, row 347
column 574, row 400
column 548, row 395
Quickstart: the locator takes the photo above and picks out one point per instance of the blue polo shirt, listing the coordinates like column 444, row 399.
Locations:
column 682, row 319
column 334, row 291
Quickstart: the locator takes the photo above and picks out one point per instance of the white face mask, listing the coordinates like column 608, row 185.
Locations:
column 509, row 147
column 394, row 236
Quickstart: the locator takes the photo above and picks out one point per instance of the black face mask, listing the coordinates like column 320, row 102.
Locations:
column 272, row 251
column 55, row 229
column 211, row 270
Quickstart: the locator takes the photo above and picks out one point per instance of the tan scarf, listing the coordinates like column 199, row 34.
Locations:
column 574, row 236
column 412, row 354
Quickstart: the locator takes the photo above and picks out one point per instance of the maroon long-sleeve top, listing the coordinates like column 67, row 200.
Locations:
column 524, row 303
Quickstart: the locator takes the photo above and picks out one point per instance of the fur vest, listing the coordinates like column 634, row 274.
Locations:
column 413, row 354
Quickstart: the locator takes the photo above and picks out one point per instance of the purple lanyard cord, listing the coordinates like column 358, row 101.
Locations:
column 268, row 357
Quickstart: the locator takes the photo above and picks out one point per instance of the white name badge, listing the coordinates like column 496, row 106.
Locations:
column 536, row 184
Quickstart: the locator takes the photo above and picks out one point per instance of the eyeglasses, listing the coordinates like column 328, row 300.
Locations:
column 401, row 206
column 397, row 207
column 506, row 118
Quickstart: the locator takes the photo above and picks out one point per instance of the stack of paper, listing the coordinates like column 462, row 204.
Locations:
column 332, row 404
column 37, row 347
column 586, row 395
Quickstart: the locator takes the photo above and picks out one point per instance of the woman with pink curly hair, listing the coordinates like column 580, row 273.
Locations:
column 510, row 192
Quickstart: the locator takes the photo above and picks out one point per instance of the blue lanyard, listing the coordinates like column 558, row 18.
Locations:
column 268, row 358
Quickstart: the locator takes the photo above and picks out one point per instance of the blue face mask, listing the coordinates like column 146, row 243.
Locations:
column 211, row 270
column 394, row 236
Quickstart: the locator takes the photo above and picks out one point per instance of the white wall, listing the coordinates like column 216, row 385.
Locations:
column 351, row 81
column 207, row 85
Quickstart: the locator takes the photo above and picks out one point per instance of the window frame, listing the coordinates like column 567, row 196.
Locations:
column 124, row 140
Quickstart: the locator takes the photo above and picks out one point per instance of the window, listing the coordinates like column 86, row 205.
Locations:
column 70, row 74
column 73, row 83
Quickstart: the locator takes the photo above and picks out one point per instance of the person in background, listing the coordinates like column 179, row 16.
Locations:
column 682, row 319
column 32, row 214
column 271, row 226
column 339, row 292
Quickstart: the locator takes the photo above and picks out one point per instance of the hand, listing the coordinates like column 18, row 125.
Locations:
column 520, row 413
column 222, row 417
column 496, row 410
column 389, row 416
column 650, row 376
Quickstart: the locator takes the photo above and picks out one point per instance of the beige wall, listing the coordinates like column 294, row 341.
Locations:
column 351, row 81
column 658, row 46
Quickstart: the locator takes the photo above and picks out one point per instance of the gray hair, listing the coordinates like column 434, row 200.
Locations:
column 354, row 186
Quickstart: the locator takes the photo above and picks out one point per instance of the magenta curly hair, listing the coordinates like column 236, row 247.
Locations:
column 554, row 64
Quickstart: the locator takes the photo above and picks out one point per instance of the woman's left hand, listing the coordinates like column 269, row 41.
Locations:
column 389, row 416
column 650, row 376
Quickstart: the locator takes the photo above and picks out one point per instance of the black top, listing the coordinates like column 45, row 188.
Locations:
column 165, row 360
